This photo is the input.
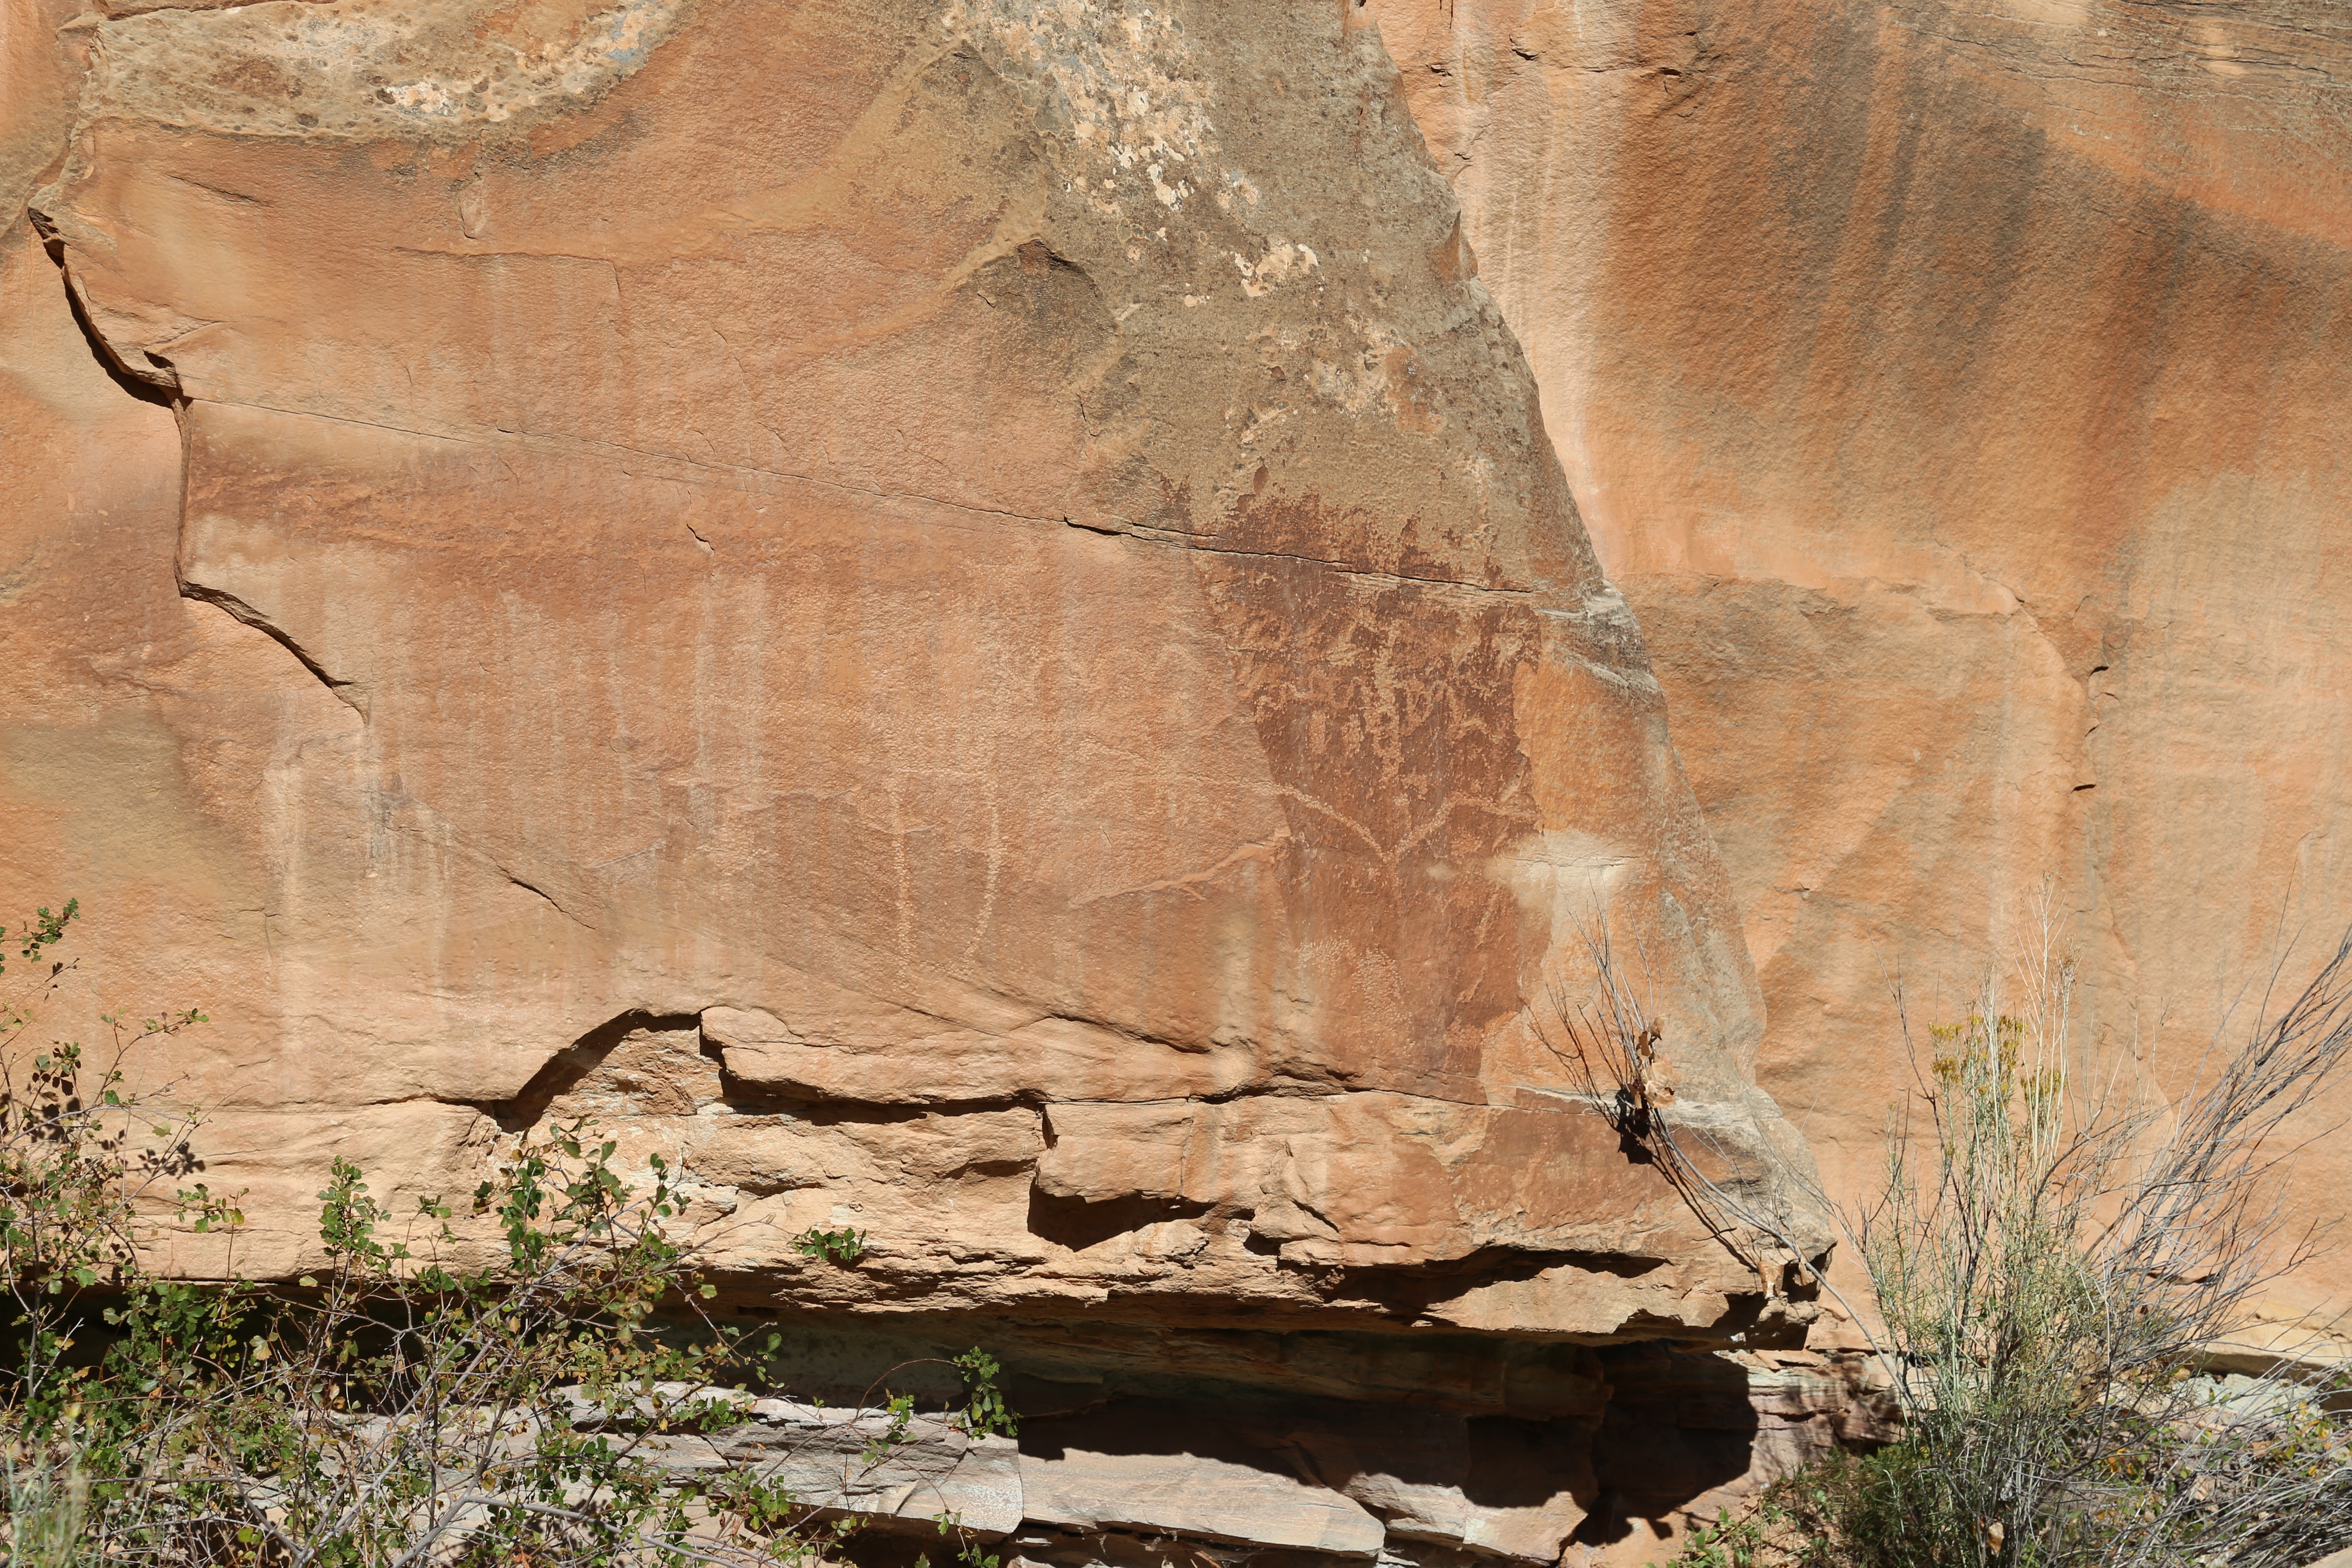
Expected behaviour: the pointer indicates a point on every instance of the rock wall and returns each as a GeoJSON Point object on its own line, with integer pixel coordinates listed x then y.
{"type": "Point", "coordinates": [1959, 393]}
{"type": "Point", "coordinates": [958, 613]}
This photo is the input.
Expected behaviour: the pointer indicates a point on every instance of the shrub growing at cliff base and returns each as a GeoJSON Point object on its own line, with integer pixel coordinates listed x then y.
{"type": "Point", "coordinates": [2053, 1262]}
{"type": "Point", "coordinates": [502, 1397]}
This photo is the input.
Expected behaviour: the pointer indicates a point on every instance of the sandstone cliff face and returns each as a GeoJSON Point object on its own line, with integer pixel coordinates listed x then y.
{"type": "Point", "coordinates": [1959, 395]}
{"type": "Point", "coordinates": [959, 613]}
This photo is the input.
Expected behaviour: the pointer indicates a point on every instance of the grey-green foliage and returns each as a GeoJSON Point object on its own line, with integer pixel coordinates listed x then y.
{"type": "Point", "coordinates": [46, 1511]}
{"type": "Point", "coordinates": [2054, 1259]}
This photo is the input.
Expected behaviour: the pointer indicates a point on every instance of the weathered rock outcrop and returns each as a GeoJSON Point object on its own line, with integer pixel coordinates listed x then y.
{"type": "Point", "coordinates": [1959, 395]}
{"type": "Point", "coordinates": [960, 612]}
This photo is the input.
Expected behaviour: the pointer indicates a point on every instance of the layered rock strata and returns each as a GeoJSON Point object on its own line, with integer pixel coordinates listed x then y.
{"type": "Point", "coordinates": [1958, 394]}
{"type": "Point", "coordinates": [1224, 1476]}
{"type": "Point", "coordinates": [1230, 1478]}
{"type": "Point", "coordinates": [958, 613]}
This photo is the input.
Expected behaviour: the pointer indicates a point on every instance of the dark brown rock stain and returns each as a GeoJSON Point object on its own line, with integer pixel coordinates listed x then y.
{"type": "Point", "coordinates": [1385, 709]}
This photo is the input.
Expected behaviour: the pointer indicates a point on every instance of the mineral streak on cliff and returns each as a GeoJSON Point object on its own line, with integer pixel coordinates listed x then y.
{"type": "Point", "coordinates": [960, 612]}
{"type": "Point", "coordinates": [1959, 393]}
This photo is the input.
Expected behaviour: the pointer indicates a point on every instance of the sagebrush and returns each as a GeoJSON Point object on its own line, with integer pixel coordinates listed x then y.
{"type": "Point", "coordinates": [2055, 1258]}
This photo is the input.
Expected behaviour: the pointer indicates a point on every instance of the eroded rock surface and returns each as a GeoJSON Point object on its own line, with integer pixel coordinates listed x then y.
{"type": "Point", "coordinates": [1958, 394]}
{"type": "Point", "coordinates": [960, 614]}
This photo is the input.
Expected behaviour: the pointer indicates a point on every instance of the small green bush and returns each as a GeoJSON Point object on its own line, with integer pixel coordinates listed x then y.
{"type": "Point", "coordinates": [490, 1395]}
{"type": "Point", "coordinates": [843, 1246]}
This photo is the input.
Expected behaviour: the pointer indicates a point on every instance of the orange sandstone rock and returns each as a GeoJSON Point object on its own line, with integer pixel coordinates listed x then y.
{"type": "Point", "coordinates": [1958, 394]}
{"type": "Point", "coordinates": [959, 613]}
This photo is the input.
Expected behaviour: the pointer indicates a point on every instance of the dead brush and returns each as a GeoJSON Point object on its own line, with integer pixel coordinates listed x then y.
{"type": "Point", "coordinates": [1611, 1047]}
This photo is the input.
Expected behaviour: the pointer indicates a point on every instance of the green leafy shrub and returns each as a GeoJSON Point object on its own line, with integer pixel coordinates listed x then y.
{"type": "Point", "coordinates": [496, 1385]}
{"type": "Point", "coordinates": [843, 1247]}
